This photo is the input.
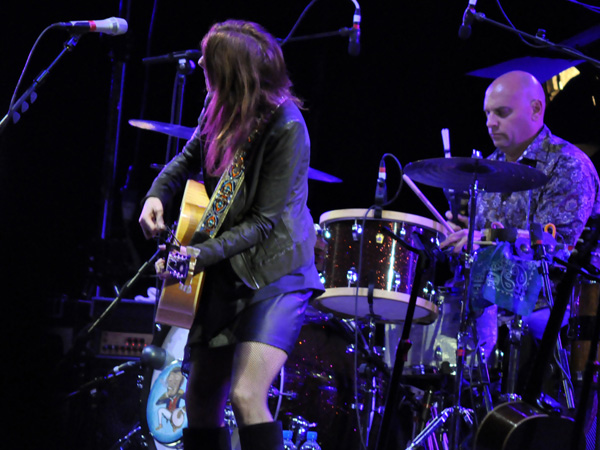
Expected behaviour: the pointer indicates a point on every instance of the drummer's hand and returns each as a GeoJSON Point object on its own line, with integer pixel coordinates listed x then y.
{"type": "Point", "coordinates": [460, 237]}
{"type": "Point", "coordinates": [462, 222]}
{"type": "Point", "coordinates": [151, 219]}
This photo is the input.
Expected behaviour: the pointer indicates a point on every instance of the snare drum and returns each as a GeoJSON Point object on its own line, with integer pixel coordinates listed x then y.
{"type": "Point", "coordinates": [390, 267]}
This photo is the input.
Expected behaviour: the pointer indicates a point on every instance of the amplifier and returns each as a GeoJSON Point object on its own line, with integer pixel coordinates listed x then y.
{"type": "Point", "coordinates": [118, 343]}
{"type": "Point", "coordinates": [125, 330]}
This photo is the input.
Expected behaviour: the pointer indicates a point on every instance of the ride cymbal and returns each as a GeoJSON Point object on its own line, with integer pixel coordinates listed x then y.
{"type": "Point", "coordinates": [459, 173]}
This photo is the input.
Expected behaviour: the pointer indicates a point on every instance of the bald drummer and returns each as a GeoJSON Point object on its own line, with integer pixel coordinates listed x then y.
{"type": "Point", "coordinates": [514, 106]}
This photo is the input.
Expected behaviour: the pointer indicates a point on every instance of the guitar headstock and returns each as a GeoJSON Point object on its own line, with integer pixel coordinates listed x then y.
{"type": "Point", "coordinates": [178, 265]}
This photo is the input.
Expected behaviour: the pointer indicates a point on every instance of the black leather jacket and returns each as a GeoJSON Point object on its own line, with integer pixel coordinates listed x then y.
{"type": "Point", "coordinates": [268, 231]}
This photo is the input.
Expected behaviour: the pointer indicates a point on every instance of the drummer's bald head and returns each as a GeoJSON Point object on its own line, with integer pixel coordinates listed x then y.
{"type": "Point", "coordinates": [521, 84]}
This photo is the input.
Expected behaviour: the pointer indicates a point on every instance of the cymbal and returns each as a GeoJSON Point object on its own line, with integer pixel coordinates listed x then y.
{"type": "Point", "coordinates": [183, 132]}
{"type": "Point", "coordinates": [459, 173]}
{"type": "Point", "coordinates": [170, 129]}
{"type": "Point", "coordinates": [317, 175]}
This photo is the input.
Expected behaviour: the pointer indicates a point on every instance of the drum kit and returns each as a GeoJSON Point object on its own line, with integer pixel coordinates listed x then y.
{"type": "Point", "coordinates": [354, 373]}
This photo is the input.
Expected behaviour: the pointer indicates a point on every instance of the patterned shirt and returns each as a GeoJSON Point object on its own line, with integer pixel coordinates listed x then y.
{"type": "Point", "coordinates": [570, 196]}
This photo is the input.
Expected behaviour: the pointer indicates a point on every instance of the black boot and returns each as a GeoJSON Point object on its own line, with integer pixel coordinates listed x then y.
{"type": "Point", "coordinates": [206, 439]}
{"type": "Point", "coordinates": [262, 436]}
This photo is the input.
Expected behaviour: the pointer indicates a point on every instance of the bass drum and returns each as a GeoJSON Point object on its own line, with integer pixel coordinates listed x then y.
{"type": "Point", "coordinates": [320, 388]}
{"type": "Point", "coordinates": [163, 398]}
{"type": "Point", "coordinates": [163, 394]}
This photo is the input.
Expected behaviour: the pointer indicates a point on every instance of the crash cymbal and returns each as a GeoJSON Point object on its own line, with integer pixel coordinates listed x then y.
{"type": "Point", "coordinates": [460, 172]}
{"type": "Point", "coordinates": [182, 132]}
{"type": "Point", "coordinates": [170, 129]}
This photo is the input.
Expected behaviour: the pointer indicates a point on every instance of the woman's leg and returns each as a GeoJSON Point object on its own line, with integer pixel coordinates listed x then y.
{"type": "Point", "coordinates": [254, 368]}
{"type": "Point", "coordinates": [206, 398]}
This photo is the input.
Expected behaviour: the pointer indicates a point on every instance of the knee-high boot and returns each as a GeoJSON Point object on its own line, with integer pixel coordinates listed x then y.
{"type": "Point", "coordinates": [262, 436]}
{"type": "Point", "coordinates": [206, 439]}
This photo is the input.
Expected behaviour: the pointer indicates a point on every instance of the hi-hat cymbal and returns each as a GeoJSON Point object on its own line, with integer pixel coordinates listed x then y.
{"type": "Point", "coordinates": [459, 174]}
{"type": "Point", "coordinates": [183, 132]}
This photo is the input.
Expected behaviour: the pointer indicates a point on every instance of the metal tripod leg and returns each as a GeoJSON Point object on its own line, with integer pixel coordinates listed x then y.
{"type": "Point", "coordinates": [432, 426]}
{"type": "Point", "coordinates": [468, 415]}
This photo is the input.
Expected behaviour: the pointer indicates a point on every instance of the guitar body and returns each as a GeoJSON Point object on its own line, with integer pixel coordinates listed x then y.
{"type": "Point", "coordinates": [178, 306]}
{"type": "Point", "coordinates": [518, 426]}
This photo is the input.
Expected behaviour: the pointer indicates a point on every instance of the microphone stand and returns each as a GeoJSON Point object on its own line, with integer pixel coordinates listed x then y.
{"type": "Point", "coordinates": [404, 345]}
{"type": "Point", "coordinates": [539, 38]}
{"type": "Point", "coordinates": [30, 95]}
{"type": "Point", "coordinates": [185, 66]}
{"type": "Point", "coordinates": [344, 32]}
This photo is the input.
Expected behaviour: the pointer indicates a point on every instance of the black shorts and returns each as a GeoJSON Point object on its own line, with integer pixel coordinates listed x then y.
{"type": "Point", "coordinates": [228, 315]}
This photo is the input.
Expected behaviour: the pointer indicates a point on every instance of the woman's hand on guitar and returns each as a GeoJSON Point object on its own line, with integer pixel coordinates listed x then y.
{"type": "Point", "coordinates": [151, 219]}
{"type": "Point", "coordinates": [160, 267]}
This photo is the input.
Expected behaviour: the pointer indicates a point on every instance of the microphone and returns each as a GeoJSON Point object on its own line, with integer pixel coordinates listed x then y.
{"type": "Point", "coordinates": [156, 357]}
{"type": "Point", "coordinates": [125, 366]}
{"type": "Point", "coordinates": [112, 26]}
{"type": "Point", "coordinates": [464, 32]}
{"type": "Point", "coordinates": [354, 38]}
{"type": "Point", "coordinates": [380, 190]}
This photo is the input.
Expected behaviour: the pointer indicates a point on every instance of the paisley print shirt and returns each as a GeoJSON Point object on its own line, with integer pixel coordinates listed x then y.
{"type": "Point", "coordinates": [570, 196]}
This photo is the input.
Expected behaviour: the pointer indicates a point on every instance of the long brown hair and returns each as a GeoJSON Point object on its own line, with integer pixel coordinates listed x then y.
{"type": "Point", "coordinates": [247, 76]}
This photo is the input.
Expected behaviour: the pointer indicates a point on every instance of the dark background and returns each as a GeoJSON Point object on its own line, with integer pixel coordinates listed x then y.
{"type": "Point", "coordinates": [64, 175]}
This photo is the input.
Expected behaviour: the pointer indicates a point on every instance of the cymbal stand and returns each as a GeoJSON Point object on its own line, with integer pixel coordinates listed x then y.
{"type": "Point", "coordinates": [464, 319]}
{"type": "Point", "coordinates": [456, 411]}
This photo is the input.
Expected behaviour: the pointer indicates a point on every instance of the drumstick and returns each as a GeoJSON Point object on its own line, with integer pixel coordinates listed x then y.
{"type": "Point", "coordinates": [427, 203]}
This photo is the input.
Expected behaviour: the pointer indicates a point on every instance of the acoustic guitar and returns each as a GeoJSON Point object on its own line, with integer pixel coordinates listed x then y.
{"type": "Point", "coordinates": [528, 424]}
{"type": "Point", "coordinates": [180, 295]}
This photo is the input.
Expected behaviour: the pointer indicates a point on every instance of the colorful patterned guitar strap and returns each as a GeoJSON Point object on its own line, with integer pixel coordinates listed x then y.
{"type": "Point", "coordinates": [229, 185]}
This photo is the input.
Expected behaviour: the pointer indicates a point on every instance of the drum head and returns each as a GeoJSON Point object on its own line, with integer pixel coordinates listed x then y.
{"type": "Point", "coordinates": [395, 216]}
{"type": "Point", "coordinates": [387, 306]}
{"type": "Point", "coordinates": [161, 382]}
{"type": "Point", "coordinates": [165, 411]}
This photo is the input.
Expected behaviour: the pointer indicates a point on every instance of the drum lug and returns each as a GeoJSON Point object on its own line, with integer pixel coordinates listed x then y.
{"type": "Point", "coordinates": [352, 276]}
{"type": "Point", "coordinates": [356, 230]}
{"type": "Point", "coordinates": [429, 291]}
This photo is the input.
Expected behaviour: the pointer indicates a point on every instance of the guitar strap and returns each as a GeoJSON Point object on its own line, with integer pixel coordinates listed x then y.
{"type": "Point", "coordinates": [229, 184]}
{"type": "Point", "coordinates": [220, 202]}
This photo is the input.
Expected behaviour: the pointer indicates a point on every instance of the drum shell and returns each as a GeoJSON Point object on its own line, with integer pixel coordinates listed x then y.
{"type": "Point", "coordinates": [386, 265]}
{"type": "Point", "coordinates": [433, 346]}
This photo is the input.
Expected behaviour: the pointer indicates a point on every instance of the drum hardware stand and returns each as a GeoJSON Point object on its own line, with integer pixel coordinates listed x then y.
{"type": "Point", "coordinates": [514, 339]}
{"type": "Point", "coordinates": [542, 257]}
{"type": "Point", "coordinates": [370, 368]}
